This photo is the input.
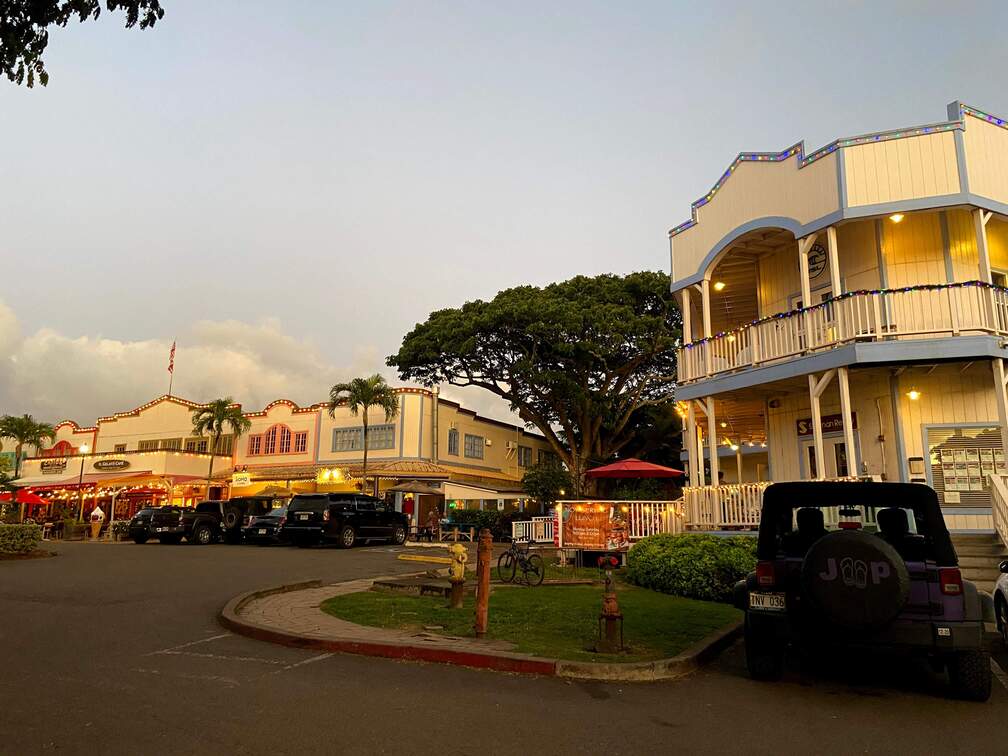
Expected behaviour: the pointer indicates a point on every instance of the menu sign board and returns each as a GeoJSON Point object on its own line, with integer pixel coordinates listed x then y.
{"type": "Point", "coordinates": [593, 527]}
{"type": "Point", "coordinates": [967, 469]}
{"type": "Point", "coordinates": [53, 466]}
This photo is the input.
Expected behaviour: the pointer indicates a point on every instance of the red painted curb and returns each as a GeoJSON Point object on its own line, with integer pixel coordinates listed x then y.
{"type": "Point", "coordinates": [229, 618]}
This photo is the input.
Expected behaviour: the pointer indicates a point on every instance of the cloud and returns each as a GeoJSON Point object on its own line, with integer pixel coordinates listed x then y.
{"type": "Point", "coordinates": [54, 376]}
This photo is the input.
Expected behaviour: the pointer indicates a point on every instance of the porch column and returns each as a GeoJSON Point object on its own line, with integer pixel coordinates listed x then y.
{"type": "Point", "coordinates": [980, 218]}
{"type": "Point", "coordinates": [691, 444]}
{"type": "Point", "coordinates": [738, 463]}
{"type": "Point", "coordinates": [834, 260]}
{"type": "Point", "coordinates": [816, 388]}
{"type": "Point", "coordinates": [712, 440]}
{"type": "Point", "coordinates": [804, 245]}
{"type": "Point", "coordinates": [853, 466]}
{"type": "Point", "coordinates": [687, 316]}
{"type": "Point", "coordinates": [705, 301]}
{"type": "Point", "coordinates": [1001, 396]}
{"type": "Point", "coordinates": [701, 475]}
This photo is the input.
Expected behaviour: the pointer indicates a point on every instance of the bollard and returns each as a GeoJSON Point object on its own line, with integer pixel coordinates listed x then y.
{"type": "Point", "coordinates": [483, 554]}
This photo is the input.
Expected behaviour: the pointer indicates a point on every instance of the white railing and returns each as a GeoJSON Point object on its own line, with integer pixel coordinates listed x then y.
{"type": "Point", "coordinates": [536, 530]}
{"type": "Point", "coordinates": [999, 505]}
{"type": "Point", "coordinates": [732, 506]}
{"type": "Point", "coordinates": [971, 307]}
{"type": "Point", "coordinates": [646, 518]}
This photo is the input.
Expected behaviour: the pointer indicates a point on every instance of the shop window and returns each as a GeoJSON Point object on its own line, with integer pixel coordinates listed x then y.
{"type": "Point", "coordinates": [285, 439]}
{"type": "Point", "coordinates": [453, 439]}
{"type": "Point", "coordinates": [255, 445]}
{"type": "Point", "coordinates": [196, 445]}
{"type": "Point", "coordinates": [224, 444]}
{"type": "Point", "coordinates": [524, 456]}
{"type": "Point", "coordinates": [381, 437]}
{"type": "Point", "coordinates": [270, 441]}
{"type": "Point", "coordinates": [347, 439]}
{"type": "Point", "coordinates": [474, 446]}
{"type": "Point", "coordinates": [300, 442]}
{"type": "Point", "coordinates": [149, 445]}
{"type": "Point", "coordinates": [171, 444]}
{"type": "Point", "coordinates": [119, 448]}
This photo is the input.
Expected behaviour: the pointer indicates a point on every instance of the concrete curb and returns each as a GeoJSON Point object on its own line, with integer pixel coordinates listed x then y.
{"type": "Point", "coordinates": [661, 669]}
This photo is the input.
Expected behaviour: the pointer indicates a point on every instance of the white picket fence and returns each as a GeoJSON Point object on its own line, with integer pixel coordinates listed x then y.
{"type": "Point", "coordinates": [538, 530]}
{"type": "Point", "coordinates": [643, 518]}
{"type": "Point", "coordinates": [729, 506]}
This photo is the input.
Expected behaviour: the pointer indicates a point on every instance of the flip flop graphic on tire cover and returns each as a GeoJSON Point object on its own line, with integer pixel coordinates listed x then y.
{"type": "Point", "coordinates": [855, 579]}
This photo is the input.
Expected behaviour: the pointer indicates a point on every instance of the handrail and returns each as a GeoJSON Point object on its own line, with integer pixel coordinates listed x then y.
{"type": "Point", "coordinates": [999, 505]}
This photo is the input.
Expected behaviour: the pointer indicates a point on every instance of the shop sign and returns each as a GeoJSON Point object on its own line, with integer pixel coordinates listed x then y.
{"type": "Point", "coordinates": [593, 527]}
{"type": "Point", "coordinates": [111, 464]}
{"type": "Point", "coordinates": [53, 466]}
{"type": "Point", "coordinates": [817, 259]}
{"type": "Point", "coordinates": [240, 479]}
{"type": "Point", "coordinates": [828, 423]}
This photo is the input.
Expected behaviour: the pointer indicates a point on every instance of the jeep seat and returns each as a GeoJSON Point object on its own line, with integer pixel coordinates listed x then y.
{"type": "Point", "coordinates": [810, 529]}
{"type": "Point", "coordinates": [894, 528]}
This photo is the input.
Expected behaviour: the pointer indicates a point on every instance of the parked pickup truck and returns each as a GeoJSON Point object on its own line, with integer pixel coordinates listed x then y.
{"type": "Point", "coordinates": [163, 523]}
{"type": "Point", "coordinates": [211, 521]}
{"type": "Point", "coordinates": [343, 518]}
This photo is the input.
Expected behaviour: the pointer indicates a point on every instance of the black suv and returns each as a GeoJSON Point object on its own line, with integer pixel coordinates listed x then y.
{"type": "Point", "coordinates": [211, 521]}
{"type": "Point", "coordinates": [863, 565]}
{"type": "Point", "coordinates": [344, 518]}
{"type": "Point", "coordinates": [139, 528]}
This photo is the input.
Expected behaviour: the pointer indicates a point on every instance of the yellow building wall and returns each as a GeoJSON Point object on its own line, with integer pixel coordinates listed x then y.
{"type": "Point", "coordinates": [758, 190]}
{"type": "Point", "coordinates": [962, 245]}
{"type": "Point", "coordinates": [997, 242]}
{"type": "Point", "coordinates": [901, 169]}
{"type": "Point", "coordinates": [344, 419]}
{"type": "Point", "coordinates": [69, 432]}
{"type": "Point", "coordinates": [986, 147]}
{"type": "Point", "coordinates": [167, 418]}
{"type": "Point", "coordinates": [913, 250]}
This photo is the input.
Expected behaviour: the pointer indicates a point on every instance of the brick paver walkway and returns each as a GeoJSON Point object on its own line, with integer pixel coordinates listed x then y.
{"type": "Point", "coordinates": [299, 612]}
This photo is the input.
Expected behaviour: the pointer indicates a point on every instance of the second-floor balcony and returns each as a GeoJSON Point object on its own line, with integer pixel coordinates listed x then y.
{"type": "Point", "coordinates": [917, 312]}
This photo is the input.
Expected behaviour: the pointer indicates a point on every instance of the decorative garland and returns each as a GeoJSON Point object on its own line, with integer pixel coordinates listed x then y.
{"type": "Point", "coordinates": [846, 295]}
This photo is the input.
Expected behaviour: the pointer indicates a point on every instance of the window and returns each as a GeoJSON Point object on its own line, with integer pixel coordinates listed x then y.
{"type": "Point", "coordinates": [285, 438]}
{"type": "Point", "coordinates": [381, 437]}
{"type": "Point", "coordinates": [119, 448]}
{"type": "Point", "coordinates": [255, 445]}
{"type": "Point", "coordinates": [524, 456]}
{"type": "Point", "coordinates": [347, 439]}
{"type": "Point", "coordinates": [453, 441]}
{"type": "Point", "coordinates": [269, 441]}
{"type": "Point", "coordinates": [148, 444]}
{"type": "Point", "coordinates": [171, 444]}
{"type": "Point", "coordinates": [196, 445]}
{"type": "Point", "coordinates": [224, 444]}
{"type": "Point", "coordinates": [300, 442]}
{"type": "Point", "coordinates": [474, 446]}
{"type": "Point", "coordinates": [62, 449]}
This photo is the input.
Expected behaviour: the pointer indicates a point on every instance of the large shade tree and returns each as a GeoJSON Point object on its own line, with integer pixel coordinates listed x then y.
{"type": "Point", "coordinates": [25, 24]}
{"type": "Point", "coordinates": [214, 420]}
{"type": "Point", "coordinates": [24, 430]}
{"type": "Point", "coordinates": [359, 395]}
{"type": "Point", "coordinates": [578, 359]}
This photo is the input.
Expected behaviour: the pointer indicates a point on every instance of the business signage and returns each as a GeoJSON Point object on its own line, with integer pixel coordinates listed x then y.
{"type": "Point", "coordinates": [111, 464]}
{"type": "Point", "coordinates": [593, 527]}
{"type": "Point", "coordinates": [817, 259]}
{"type": "Point", "coordinates": [828, 424]}
{"type": "Point", "coordinates": [240, 479]}
{"type": "Point", "coordinates": [53, 466]}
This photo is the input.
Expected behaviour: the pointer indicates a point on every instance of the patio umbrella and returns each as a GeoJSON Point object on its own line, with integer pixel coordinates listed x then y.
{"type": "Point", "coordinates": [634, 468]}
{"type": "Point", "coordinates": [279, 491]}
{"type": "Point", "coordinates": [416, 487]}
{"type": "Point", "coordinates": [23, 497]}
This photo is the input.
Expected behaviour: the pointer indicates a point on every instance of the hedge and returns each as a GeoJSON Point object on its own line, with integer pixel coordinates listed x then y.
{"type": "Point", "coordinates": [19, 539]}
{"type": "Point", "coordinates": [693, 565]}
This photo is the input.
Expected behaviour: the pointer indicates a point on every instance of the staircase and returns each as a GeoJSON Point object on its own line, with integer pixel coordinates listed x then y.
{"type": "Point", "coordinates": [979, 557]}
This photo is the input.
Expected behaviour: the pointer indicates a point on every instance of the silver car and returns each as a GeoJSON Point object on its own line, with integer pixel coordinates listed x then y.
{"type": "Point", "coordinates": [1001, 602]}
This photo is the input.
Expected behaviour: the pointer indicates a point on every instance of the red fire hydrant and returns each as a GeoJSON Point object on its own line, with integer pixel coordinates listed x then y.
{"type": "Point", "coordinates": [610, 639]}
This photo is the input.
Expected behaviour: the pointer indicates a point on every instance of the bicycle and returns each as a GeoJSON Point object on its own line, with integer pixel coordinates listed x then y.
{"type": "Point", "coordinates": [532, 567]}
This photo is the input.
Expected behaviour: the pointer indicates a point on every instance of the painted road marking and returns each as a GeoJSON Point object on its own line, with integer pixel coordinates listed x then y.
{"type": "Point", "coordinates": [312, 660]}
{"type": "Point", "coordinates": [999, 673]}
{"type": "Point", "coordinates": [192, 643]}
{"type": "Point", "coordinates": [221, 657]}
{"type": "Point", "coordinates": [230, 682]}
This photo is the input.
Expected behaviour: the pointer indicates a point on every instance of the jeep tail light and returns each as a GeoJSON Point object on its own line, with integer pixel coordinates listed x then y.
{"type": "Point", "coordinates": [325, 514]}
{"type": "Point", "coordinates": [283, 521]}
{"type": "Point", "coordinates": [765, 577]}
{"type": "Point", "coordinates": [950, 580]}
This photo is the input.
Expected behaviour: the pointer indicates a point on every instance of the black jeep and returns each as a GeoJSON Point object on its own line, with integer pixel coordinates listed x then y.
{"type": "Point", "coordinates": [862, 565]}
{"type": "Point", "coordinates": [164, 524]}
{"type": "Point", "coordinates": [344, 518]}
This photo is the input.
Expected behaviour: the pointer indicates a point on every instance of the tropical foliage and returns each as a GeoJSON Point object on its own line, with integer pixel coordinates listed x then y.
{"type": "Point", "coordinates": [546, 482]}
{"type": "Point", "coordinates": [579, 360]}
{"type": "Point", "coordinates": [216, 418]}
{"type": "Point", "coordinates": [24, 430]}
{"type": "Point", "coordinates": [694, 565]}
{"type": "Point", "coordinates": [360, 395]}
{"type": "Point", "coordinates": [19, 539]}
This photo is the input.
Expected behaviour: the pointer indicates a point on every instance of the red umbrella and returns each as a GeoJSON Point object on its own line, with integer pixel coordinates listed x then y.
{"type": "Point", "coordinates": [634, 468]}
{"type": "Point", "coordinates": [23, 497]}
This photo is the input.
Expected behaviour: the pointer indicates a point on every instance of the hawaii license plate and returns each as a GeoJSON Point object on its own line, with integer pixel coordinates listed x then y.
{"type": "Point", "coordinates": [767, 602]}
{"type": "Point", "coordinates": [159, 530]}
{"type": "Point", "coordinates": [262, 531]}
{"type": "Point", "coordinates": [304, 516]}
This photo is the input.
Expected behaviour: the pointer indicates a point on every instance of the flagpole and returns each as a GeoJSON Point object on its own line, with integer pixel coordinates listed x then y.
{"type": "Point", "coordinates": [171, 366]}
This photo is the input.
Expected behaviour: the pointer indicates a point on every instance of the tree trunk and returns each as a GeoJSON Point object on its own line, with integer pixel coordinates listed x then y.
{"type": "Point", "coordinates": [364, 468]}
{"type": "Point", "coordinates": [210, 471]}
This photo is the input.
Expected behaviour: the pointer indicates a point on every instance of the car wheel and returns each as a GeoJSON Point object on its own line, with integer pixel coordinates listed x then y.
{"type": "Point", "coordinates": [203, 535]}
{"type": "Point", "coordinates": [970, 675]}
{"type": "Point", "coordinates": [347, 537]}
{"type": "Point", "coordinates": [399, 535]}
{"type": "Point", "coordinates": [764, 657]}
{"type": "Point", "coordinates": [140, 540]}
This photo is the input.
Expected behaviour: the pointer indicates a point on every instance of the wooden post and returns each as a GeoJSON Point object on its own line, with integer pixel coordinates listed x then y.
{"type": "Point", "coordinates": [834, 260]}
{"type": "Point", "coordinates": [738, 462]}
{"type": "Point", "coordinates": [712, 441]}
{"type": "Point", "coordinates": [1001, 397]}
{"type": "Point", "coordinates": [687, 316]}
{"type": "Point", "coordinates": [483, 553]}
{"type": "Point", "coordinates": [853, 467]}
{"type": "Point", "coordinates": [816, 388]}
{"type": "Point", "coordinates": [980, 218]}
{"type": "Point", "coordinates": [804, 245]}
{"type": "Point", "coordinates": [691, 444]}
{"type": "Point", "coordinates": [705, 298]}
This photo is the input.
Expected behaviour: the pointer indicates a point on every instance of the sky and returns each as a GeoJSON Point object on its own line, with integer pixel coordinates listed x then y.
{"type": "Point", "coordinates": [287, 188]}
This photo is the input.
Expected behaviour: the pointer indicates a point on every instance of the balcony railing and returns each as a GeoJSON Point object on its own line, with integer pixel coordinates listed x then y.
{"type": "Point", "coordinates": [929, 311]}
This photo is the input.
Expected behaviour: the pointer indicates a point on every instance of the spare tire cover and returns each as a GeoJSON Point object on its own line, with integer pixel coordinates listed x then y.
{"type": "Point", "coordinates": [855, 579]}
{"type": "Point", "coordinates": [232, 518]}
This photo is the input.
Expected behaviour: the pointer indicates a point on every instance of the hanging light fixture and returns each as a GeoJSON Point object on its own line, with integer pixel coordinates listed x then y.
{"type": "Point", "coordinates": [913, 394]}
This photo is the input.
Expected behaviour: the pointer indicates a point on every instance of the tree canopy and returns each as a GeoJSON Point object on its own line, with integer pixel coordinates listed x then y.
{"type": "Point", "coordinates": [24, 29]}
{"type": "Point", "coordinates": [25, 431]}
{"type": "Point", "coordinates": [213, 420]}
{"type": "Point", "coordinates": [577, 359]}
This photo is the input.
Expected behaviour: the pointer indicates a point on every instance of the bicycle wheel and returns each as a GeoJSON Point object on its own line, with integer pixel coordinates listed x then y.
{"type": "Point", "coordinates": [506, 567]}
{"type": "Point", "coordinates": [534, 570]}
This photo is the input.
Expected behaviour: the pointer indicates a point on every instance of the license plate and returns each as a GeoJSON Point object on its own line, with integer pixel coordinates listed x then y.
{"type": "Point", "coordinates": [767, 602]}
{"type": "Point", "coordinates": [159, 530]}
{"type": "Point", "coordinates": [304, 516]}
{"type": "Point", "coordinates": [262, 531]}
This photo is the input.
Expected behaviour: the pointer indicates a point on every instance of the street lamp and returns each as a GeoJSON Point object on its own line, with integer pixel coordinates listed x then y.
{"type": "Point", "coordinates": [80, 483]}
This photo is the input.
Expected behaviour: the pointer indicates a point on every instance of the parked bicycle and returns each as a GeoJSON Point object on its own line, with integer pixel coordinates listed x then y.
{"type": "Point", "coordinates": [532, 567]}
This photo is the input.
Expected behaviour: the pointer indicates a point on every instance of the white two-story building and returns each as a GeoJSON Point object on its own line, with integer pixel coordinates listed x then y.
{"type": "Point", "coordinates": [845, 314]}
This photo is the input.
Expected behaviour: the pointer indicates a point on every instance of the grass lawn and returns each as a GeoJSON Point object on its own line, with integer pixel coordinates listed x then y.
{"type": "Point", "coordinates": [551, 621]}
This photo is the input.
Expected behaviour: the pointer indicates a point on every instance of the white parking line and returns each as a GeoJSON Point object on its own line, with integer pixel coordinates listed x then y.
{"type": "Point", "coordinates": [192, 643]}
{"type": "Point", "coordinates": [312, 660]}
{"type": "Point", "coordinates": [221, 657]}
{"type": "Point", "coordinates": [999, 673]}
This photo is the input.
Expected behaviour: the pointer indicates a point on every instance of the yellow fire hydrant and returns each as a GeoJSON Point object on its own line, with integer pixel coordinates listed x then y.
{"type": "Point", "coordinates": [456, 573]}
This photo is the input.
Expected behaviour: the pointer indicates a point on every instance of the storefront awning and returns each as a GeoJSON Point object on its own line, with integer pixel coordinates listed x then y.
{"type": "Point", "coordinates": [461, 491]}
{"type": "Point", "coordinates": [46, 482]}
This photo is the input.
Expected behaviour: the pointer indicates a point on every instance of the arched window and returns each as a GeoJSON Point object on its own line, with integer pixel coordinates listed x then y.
{"type": "Point", "coordinates": [61, 449]}
{"type": "Point", "coordinates": [276, 440]}
{"type": "Point", "coordinates": [453, 439]}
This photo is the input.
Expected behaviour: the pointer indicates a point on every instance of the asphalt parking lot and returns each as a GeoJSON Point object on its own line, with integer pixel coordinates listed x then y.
{"type": "Point", "coordinates": [110, 649]}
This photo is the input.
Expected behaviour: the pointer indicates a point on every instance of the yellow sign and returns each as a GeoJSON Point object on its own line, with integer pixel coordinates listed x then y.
{"type": "Point", "coordinates": [330, 475]}
{"type": "Point", "coordinates": [240, 479]}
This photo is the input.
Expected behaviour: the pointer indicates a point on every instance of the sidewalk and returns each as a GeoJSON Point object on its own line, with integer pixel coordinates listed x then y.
{"type": "Point", "coordinates": [290, 615]}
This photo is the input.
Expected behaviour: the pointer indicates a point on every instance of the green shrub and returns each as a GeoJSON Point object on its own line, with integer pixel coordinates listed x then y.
{"type": "Point", "coordinates": [693, 565]}
{"type": "Point", "coordinates": [119, 528]}
{"type": "Point", "coordinates": [489, 518]}
{"type": "Point", "coordinates": [19, 539]}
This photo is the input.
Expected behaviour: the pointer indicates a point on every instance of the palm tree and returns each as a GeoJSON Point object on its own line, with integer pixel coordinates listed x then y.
{"type": "Point", "coordinates": [26, 432]}
{"type": "Point", "coordinates": [212, 419]}
{"type": "Point", "coordinates": [362, 394]}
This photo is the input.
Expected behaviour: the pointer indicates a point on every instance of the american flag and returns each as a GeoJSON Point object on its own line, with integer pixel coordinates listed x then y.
{"type": "Point", "coordinates": [171, 359]}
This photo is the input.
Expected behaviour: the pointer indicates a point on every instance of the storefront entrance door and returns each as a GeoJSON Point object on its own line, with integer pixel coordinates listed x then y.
{"type": "Point", "coordinates": [837, 464]}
